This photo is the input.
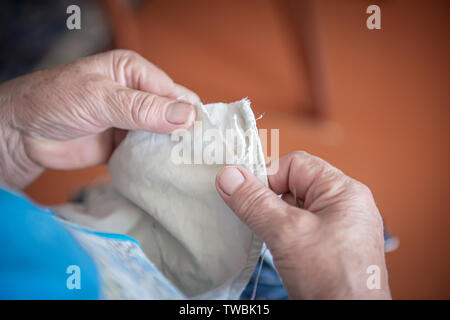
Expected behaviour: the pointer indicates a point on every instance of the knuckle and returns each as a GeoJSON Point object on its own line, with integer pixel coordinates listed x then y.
{"type": "Point", "coordinates": [143, 108]}
{"type": "Point", "coordinates": [302, 158]}
{"type": "Point", "coordinates": [330, 186]}
{"type": "Point", "coordinates": [138, 108]}
{"type": "Point", "coordinates": [122, 62]}
{"type": "Point", "coordinates": [364, 190]}
{"type": "Point", "coordinates": [249, 199]}
{"type": "Point", "coordinates": [361, 189]}
{"type": "Point", "coordinates": [124, 53]}
{"type": "Point", "coordinates": [309, 158]}
{"type": "Point", "coordinates": [120, 99]}
{"type": "Point", "coordinates": [359, 200]}
{"type": "Point", "coordinates": [300, 154]}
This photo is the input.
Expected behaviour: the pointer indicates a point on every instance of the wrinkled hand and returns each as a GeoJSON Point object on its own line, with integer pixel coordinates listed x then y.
{"type": "Point", "coordinates": [73, 116]}
{"type": "Point", "coordinates": [323, 233]}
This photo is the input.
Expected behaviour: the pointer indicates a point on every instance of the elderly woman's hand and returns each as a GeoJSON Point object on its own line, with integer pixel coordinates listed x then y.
{"type": "Point", "coordinates": [324, 233]}
{"type": "Point", "coordinates": [74, 115]}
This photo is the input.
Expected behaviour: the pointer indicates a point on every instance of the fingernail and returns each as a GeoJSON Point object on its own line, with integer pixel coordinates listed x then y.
{"type": "Point", "coordinates": [230, 179]}
{"type": "Point", "coordinates": [179, 112]}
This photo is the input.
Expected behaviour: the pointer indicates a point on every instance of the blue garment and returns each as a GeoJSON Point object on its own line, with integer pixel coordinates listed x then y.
{"type": "Point", "coordinates": [40, 254]}
{"type": "Point", "coordinates": [36, 252]}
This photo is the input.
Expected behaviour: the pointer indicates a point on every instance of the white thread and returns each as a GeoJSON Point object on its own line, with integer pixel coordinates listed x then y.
{"type": "Point", "coordinates": [258, 274]}
{"type": "Point", "coordinates": [260, 116]}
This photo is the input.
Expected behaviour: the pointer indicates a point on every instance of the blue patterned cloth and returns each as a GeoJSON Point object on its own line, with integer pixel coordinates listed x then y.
{"type": "Point", "coordinates": [35, 253]}
{"type": "Point", "coordinates": [37, 249]}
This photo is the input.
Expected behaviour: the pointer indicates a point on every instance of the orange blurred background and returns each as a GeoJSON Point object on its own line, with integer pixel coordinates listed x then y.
{"type": "Point", "coordinates": [374, 103]}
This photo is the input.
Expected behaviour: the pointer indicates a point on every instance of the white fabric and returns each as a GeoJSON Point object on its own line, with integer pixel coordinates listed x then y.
{"type": "Point", "coordinates": [173, 209]}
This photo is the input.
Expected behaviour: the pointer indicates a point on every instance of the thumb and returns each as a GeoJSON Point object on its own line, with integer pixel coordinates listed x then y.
{"type": "Point", "coordinates": [138, 110]}
{"type": "Point", "coordinates": [255, 204]}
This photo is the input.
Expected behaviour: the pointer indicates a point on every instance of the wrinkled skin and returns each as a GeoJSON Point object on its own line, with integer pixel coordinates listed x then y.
{"type": "Point", "coordinates": [323, 233]}
{"type": "Point", "coordinates": [73, 116]}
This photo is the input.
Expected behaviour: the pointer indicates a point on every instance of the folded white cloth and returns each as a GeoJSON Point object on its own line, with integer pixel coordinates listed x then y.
{"type": "Point", "coordinates": [165, 197]}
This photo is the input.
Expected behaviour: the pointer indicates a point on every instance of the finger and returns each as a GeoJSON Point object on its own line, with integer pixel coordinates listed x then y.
{"type": "Point", "coordinates": [255, 204]}
{"type": "Point", "coordinates": [306, 177]}
{"type": "Point", "coordinates": [77, 153]}
{"type": "Point", "coordinates": [138, 110]}
{"type": "Point", "coordinates": [133, 71]}
{"type": "Point", "coordinates": [181, 92]}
